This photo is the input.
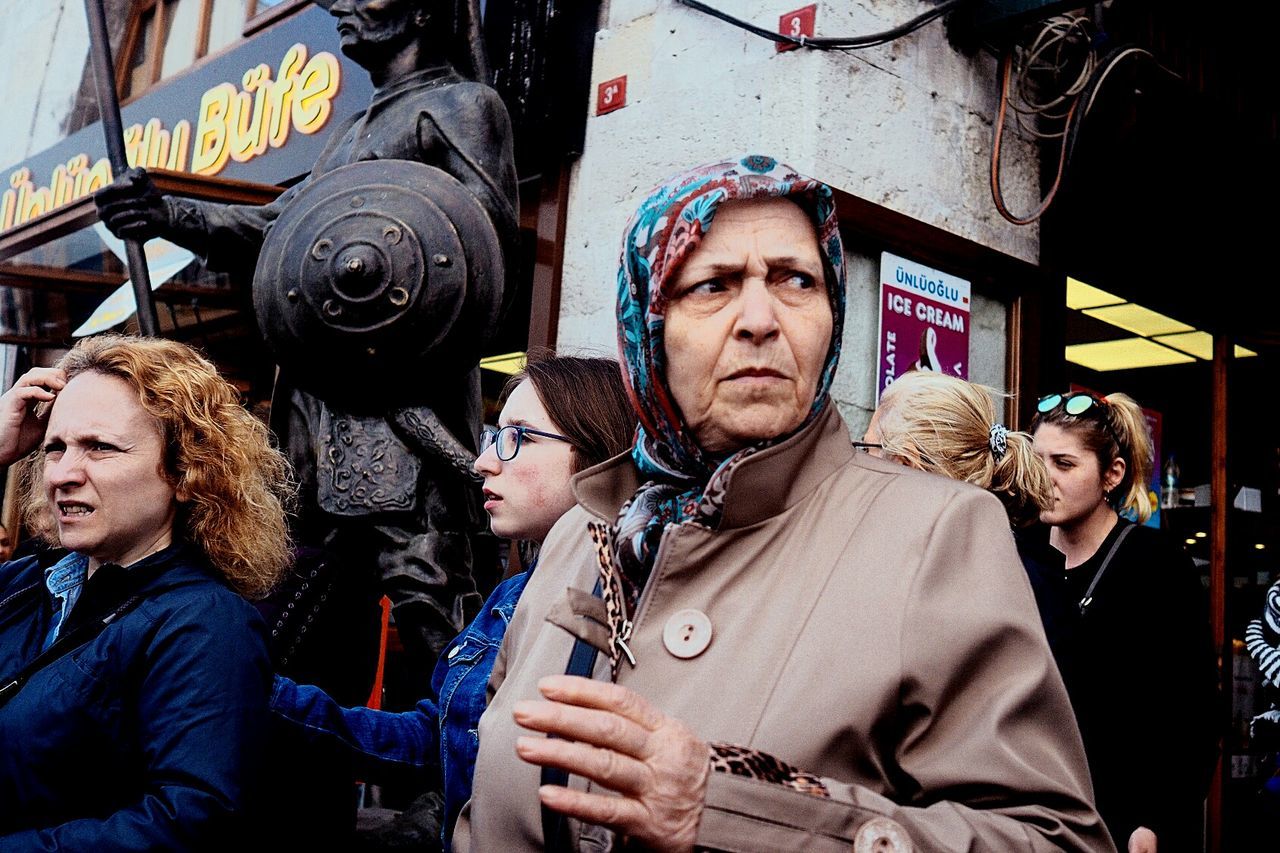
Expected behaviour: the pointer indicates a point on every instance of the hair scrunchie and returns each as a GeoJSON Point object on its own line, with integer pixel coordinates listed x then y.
{"type": "Point", "coordinates": [998, 438]}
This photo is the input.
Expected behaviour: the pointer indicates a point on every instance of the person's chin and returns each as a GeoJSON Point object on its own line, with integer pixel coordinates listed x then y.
{"type": "Point", "coordinates": [1056, 518]}
{"type": "Point", "coordinates": [72, 542]}
{"type": "Point", "coordinates": [760, 420]}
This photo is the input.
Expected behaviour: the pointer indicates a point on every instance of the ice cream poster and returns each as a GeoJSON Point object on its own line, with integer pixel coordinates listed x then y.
{"type": "Point", "coordinates": [924, 321]}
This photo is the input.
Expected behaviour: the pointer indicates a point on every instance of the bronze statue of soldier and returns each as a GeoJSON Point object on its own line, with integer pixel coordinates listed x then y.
{"type": "Point", "coordinates": [377, 280]}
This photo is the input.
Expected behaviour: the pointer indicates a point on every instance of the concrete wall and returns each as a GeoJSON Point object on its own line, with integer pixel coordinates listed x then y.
{"type": "Point", "coordinates": [906, 125]}
{"type": "Point", "coordinates": [47, 43]}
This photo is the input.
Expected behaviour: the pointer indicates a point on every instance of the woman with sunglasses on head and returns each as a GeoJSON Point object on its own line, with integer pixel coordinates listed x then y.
{"type": "Point", "coordinates": [1134, 644]}
{"type": "Point", "coordinates": [560, 415]}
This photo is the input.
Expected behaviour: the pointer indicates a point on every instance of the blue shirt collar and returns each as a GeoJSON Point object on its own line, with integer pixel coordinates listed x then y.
{"type": "Point", "coordinates": [66, 574]}
{"type": "Point", "coordinates": [65, 580]}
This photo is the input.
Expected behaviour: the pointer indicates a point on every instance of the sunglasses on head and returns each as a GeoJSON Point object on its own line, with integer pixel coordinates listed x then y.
{"type": "Point", "coordinates": [1073, 403]}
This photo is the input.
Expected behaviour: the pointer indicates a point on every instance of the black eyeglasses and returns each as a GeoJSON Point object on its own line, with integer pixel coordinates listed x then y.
{"type": "Point", "coordinates": [506, 441]}
{"type": "Point", "coordinates": [866, 446]}
{"type": "Point", "coordinates": [1073, 403]}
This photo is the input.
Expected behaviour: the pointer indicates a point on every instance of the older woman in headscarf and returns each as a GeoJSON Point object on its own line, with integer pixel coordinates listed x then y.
{"type": "Point", "coordinates": [794, 646]}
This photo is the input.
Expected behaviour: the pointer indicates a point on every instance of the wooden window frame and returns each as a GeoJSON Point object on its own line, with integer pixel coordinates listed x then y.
{"type": "Point", "coordinates": [155, 61]}
{"type": "Point", "coordinates": [258, 19]}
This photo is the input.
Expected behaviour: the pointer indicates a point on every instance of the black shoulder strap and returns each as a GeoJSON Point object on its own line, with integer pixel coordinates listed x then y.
{"type": "Point", "coordinates": [1106, 561]}
{"type": "Point", "coordinates": [64, 644]}
{"type": "Point", "coordinates": [555, 830]}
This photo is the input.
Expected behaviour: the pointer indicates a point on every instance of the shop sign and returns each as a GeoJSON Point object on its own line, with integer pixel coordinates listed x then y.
{"type": "Point", "coordinates": [260, 112]}
{"type": "Point", "coordinates": [924, 321]}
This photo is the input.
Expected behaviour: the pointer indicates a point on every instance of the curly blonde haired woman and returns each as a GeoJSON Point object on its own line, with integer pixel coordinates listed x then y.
{"type": "Point", "coordinates": [137, 673]}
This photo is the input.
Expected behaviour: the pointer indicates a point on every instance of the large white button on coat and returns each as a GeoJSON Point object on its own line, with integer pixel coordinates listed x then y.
{"type": "Point", "coordinates": [687, 634]}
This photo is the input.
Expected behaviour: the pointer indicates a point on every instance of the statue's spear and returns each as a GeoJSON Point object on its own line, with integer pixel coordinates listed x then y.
{"type": "Point", "coordinates": [113, 129]}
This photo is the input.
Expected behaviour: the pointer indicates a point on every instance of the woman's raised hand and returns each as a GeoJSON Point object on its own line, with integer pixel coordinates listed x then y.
{"type": "Point", "coordinates": [20, 428]}
{"type": "Point", "coordinates": [615, 738]}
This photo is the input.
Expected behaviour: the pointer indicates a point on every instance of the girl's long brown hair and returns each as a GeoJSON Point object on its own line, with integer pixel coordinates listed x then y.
{"type": "Point", "coordinates": [586, 399]}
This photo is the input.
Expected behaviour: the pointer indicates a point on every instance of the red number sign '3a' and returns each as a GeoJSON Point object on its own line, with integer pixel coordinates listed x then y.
{"type": "Point", "coordinates": [611, 95]}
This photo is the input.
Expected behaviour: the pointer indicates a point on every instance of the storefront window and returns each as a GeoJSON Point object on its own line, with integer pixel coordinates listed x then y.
{"type": "Point", "coordinates": [181, 30]}
{"type": "Point", "coordinates": [226, 21]}
{"type": "Point", "coordinates": [140, 65]}
{"type": "Point", "coordinates": [263, 12]}
{"type": "Point", "coordinates": [167, 36]}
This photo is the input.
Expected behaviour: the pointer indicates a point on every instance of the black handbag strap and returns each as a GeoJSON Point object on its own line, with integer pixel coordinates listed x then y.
{"type": "Point", "coordinates": [72, 640]}
{"type": "Point", "coordinates": [1087, 601]}
{"type": "Point", "coordinates": [555, 829]}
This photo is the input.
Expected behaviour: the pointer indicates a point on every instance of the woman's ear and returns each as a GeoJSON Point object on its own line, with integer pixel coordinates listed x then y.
{"type": "Point", "coordinates": [1113, 475]}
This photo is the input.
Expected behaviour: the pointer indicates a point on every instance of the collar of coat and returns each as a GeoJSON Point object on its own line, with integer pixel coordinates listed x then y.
{"type": "Point", "coordinates": [763, 485]}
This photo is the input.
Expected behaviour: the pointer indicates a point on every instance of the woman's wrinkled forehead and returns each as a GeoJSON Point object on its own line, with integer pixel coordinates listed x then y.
{"type": "Point", "coordinates": [675, 218]}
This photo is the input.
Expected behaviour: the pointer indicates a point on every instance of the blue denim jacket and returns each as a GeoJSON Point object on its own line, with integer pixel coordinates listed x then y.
{"type": "Point", "coordinates": [440, 731]}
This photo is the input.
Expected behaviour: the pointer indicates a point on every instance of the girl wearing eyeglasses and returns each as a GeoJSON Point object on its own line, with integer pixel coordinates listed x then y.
{"type": "Point", "coordinates": [1134, 644]}
{"type": "Point", "coordinates": [560, 415]}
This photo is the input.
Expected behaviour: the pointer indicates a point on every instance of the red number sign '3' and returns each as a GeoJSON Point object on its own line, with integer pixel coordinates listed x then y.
{"type": "Point", "coordinates": [796, 24]}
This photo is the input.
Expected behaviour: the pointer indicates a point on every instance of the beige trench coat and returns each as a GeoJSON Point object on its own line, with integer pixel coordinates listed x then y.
{"type": "Point", "coordinates": [870, 624]}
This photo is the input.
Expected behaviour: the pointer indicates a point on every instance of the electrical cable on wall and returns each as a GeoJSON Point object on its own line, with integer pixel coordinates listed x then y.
{"type": "Point", "coordinates": [831, 43]}
{"type": "Point", "coordinates": [1042, 84]}
{"type": "Point", "coordinates": [1062, 55]}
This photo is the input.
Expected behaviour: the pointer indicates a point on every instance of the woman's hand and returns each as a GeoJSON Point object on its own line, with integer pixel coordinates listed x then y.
{"type": "Point", "coordinates": [1142, 840]}
{"type": "Point", "coordinates": [615, 738]}
{"type": "Point", "coordinates": [20, 429]}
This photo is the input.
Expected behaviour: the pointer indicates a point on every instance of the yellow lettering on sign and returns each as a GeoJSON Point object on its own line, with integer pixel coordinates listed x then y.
{"type": "Point", "coordinates": [281, 103]}
{"type": "Point", "coordinates": [246, 124]}
{"type": "Point", "coordinates": [317, 86]}
{"type": "Point", "coordinates": [177, 161]}
{"type": "Point", "coordinates": [98, 176]}
{"type": "Point", "coordinates": [233, 123]}
{"type": "Point", "coordinates": [211, 151]}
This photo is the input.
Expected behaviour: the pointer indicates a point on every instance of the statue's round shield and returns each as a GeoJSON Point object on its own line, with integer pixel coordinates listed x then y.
{"type": "Point", "coordinates": [373, 272]}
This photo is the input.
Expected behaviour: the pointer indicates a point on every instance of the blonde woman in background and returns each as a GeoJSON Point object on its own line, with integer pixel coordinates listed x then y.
{"type": "Point", "coordinates": [948, 426]}
{"type": "Point", "coordinates": [1134, 646]}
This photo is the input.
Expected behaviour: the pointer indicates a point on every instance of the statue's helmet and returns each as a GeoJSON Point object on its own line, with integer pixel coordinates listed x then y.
{"type": "Point", "coordinates": [377, 277]}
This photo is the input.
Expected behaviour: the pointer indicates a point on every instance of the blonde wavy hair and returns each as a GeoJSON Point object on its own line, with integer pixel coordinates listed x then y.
{"type": "Point", "coordinates": [1116, 430]}
{"type": "Point", "coordinates": [221, 458]}
{"type": "Point", "coordinates": [942, 424]}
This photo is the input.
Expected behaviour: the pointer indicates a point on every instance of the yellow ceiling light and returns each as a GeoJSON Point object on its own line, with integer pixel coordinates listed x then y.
{"type": "Point", "coordinates": [509, 363]}
{"type": "Point", "coordinates": [1199, 344]}
{"type": "Point", "coordinates": [1081, 296]}
{"type": "Point", "coordinates": [1124, 354]}
{"type": "Point", "coordinates": [1139, 320]}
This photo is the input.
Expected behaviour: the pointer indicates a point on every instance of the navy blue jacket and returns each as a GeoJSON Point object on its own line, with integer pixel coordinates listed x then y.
{"type": "Point", "coordinates": [440, 732]}
{"type": "Point", "coordinates": [143, 739]}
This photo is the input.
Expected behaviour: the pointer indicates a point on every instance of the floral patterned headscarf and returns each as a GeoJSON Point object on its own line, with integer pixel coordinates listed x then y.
{"type": "Point", "coordinates": [683, 482]}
